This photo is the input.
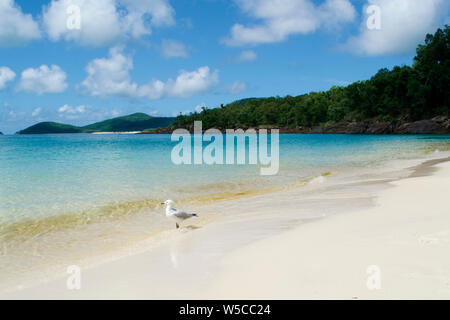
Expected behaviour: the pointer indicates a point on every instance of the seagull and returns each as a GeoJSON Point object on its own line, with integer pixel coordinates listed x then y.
{"type": "Point", "coordinates": [176, 214]}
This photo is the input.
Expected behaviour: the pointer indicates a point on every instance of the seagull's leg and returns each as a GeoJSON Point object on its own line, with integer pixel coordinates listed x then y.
{"type": "Point", "coordinates": [177, 225]}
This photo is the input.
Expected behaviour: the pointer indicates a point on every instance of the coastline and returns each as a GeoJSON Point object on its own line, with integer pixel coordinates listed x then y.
{"type": "Point", "coordinates": [436, 125]}
{"type": "Point", "coordinates": [406, 235]}
{"type": "Point", "coordinates": [234, 257]}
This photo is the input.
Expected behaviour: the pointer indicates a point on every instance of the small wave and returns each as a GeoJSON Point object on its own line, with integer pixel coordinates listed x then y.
{"type": "Point", "coordinates": [26, 229]}
{"type": "Point", "coordinates": [321, 178]}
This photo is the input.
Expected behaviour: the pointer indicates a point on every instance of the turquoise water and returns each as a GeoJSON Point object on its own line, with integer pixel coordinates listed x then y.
{"type": "Point", "coordinates": [68, 199]}
{"type": "Point", "coordinates": [47, 175]}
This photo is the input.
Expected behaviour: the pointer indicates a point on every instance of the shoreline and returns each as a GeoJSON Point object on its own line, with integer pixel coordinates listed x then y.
{"type": "Point", "coordinates": [204, 260]}
{"type": "Point", "coordinates": [405, 236]}
{"type": "Point", "coordinates": [437, 125]}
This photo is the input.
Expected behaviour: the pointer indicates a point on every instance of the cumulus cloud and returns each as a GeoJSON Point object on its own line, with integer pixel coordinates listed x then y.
{"type": "Point", "coordinates": [186, 84]}
{"type": "Point", "coordinates": [160, 13]}
{"type": "Point", "coordinates": [111, 76]}
{"type": "Point", "coordinates": [43, 80]}
{"type": "Point", "coordinates": [6, 75]}
{"type": "Point", "coordinates": [72, 112]}
{"type": "Point", "coordinates": [280, 19]}
{"type": "Point", "coordinates": [36, 112]}
{"type": "Point", "coordinates": [237, 87]}
{"type": "Point", "coordinates": [247, 56]}
{"type": "Point", "coordinates": [189, 83]}
{"type": "Point", "coordinates": [173, 49]}
{"type": "Point", "coordinates": [67, 109]}
{"type": "Point", "coordinates": [105, 21]}
{"type": "Point", "coordinates": [16, 27]}
{"type": "Point", "coordinates": [404, 24]}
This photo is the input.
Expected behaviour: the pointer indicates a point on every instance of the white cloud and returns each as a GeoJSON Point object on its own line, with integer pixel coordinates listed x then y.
{"type": "Point", "coordinates": [280, 19]}
{"type": "Point", "coordinates": [173, 49]}
{"type": "Point", "coordinates": [115, 113]}
{"type": "Point", "coordinates": [6, 75]}
{"type": "Point", "coordinates": [153, 90]}
{"type": "Point", "coordinates": [404, 24]}
{"type": "Point", "coordinates": [99, 21]}
{"type": "Point", "coordinates": [160, 11]}
{"type": "Point", "coordinates": [247, 56]}
{"type": "Point", "coordinates": [36, 112]}
{"type": "Point", "coordinates": [111, 76]}
{"type": "Point", "coordinates": [69, 109]}
{"type": "Point", "coordinates": [72, 112]}
{"type": "Point", "coordinates": [200, 107]}
{"type": "Point", "coordinates": [43, 80]}
{"type": "Point", "coordinates": [106, 21]}
{"type": "Point", "coordinates": [16, 27]}
{"type": "Point", "coordinates": [237, 87]}
{"type": "Point", "coordinates": [189, 83]}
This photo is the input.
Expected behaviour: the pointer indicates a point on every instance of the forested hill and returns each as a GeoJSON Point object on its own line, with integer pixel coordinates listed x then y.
{"type": "Point", "coordinates": [133, 122]}
{"type": "Point", "coordinates": [391, 100]}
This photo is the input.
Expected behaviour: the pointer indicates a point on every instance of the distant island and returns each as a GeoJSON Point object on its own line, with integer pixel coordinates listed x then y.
{"type": "Point", "coordinates": [406, 99]}
{"type": "Point", "coordinates": [130, 123]}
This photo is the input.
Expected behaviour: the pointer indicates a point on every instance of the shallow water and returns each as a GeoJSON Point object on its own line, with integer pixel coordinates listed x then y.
{"type": "Point", "coordinates": [46, 175]}
{"type": "Point", "coordinates": [77, 196]}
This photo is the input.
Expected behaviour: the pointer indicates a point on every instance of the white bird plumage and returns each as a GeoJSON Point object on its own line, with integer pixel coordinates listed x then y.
{"type": "Point", "coordinates": [175, 214]}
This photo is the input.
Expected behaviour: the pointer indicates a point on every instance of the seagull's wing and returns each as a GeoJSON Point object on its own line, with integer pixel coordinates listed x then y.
{"type": "Point", "coordinates": [182, 214]}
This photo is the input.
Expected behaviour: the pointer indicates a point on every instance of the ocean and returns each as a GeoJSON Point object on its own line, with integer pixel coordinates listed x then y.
{"type": "Point", "coordinates": [73, 197]}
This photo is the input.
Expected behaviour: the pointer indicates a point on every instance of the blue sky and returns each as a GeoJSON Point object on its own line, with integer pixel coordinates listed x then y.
{"type": "Point", "coordinates": [164, 57]}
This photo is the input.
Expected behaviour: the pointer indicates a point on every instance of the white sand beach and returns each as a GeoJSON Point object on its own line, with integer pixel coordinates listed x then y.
{"type": "Point", "coordinates": [401, 226]}
{"type": "Point", "coordinates": [407, 235]}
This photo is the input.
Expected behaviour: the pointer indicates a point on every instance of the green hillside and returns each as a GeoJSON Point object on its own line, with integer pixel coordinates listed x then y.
{"type": "Point", "coordinates": [133, 122]}
{"type": "Point", "coordinates": [51, 127]}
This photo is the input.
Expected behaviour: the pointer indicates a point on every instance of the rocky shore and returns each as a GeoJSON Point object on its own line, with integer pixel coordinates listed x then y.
{"type": "Point", "coordinates": [436, 125]}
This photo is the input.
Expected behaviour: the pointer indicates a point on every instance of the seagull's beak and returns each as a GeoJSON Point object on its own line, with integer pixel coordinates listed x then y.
{"type": "Point", "coordinates": [162, 203]}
